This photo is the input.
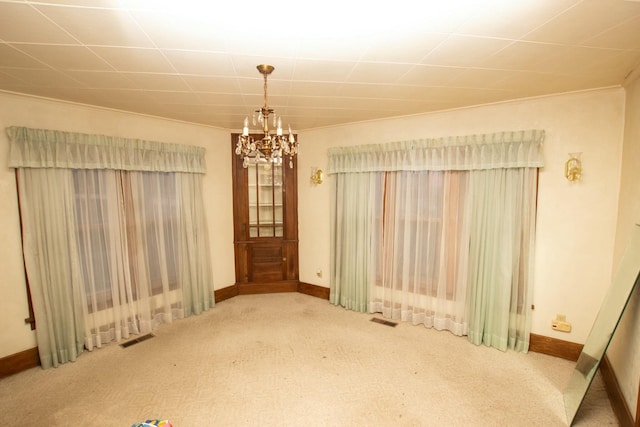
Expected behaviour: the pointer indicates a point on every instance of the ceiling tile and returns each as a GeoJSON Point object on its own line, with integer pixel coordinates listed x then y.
{"type": "Point", "coordinates": [411, 50]}
{"type": "Point", "coordinates": [369, 72]}
{"type": "Point", "coordinates": [513, 19]}
{"type": "Point", "coordinates": [521, 55]}
{"type": "Point", "coordinates": [102, 79]}
{"type": "Point", "coordinates": [178, 31]}
{"type": "Point", "coordinates": [586, 19]}
{"type": "Point", "coordinates": [43, 78]}
{"type": "Point", "coordinates": [322, 71]}
{"type": "Point", "coordinates": [429, 75]}
{"type": "Point", "coordinates": [98, 26]}
{"type": "Point", "coordinates": [22, 23]}
{"type": "Point", "coordinates": [134, 59]}
{"type": "Point", "coordinates": [458, 50]}
{"type": "Point", "coordinates": [62, 57]}
{"type": "Point", "coordinates": [201, 63]}
{"type": "Point", "coordinates": [623, 36]}
{"type": "Point", "coordinates": [14, 58]}
{"type": "Point", "coordinates": [213, 84]}
{"type": "Point", "coordinates": [155, 82]}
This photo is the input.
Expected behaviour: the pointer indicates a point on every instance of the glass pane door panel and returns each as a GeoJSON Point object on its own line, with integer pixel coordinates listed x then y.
{"type": "Point", "coordinates": [266, 232]}
{"type": "Point", "coordinates": [265, 200]}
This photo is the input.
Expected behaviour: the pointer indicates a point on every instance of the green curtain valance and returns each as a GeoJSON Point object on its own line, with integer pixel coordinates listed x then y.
{"type": "Point", "coordinates": [472, 152]}
{"type": "Point", "coordinates": [44, 148]}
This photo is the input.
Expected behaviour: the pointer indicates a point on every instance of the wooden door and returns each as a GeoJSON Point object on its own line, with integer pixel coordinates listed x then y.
{"type": "Point", "coordinates": [265, 225]}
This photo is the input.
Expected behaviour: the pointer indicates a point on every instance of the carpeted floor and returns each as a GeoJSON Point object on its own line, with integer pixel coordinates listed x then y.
{"type": "Point", "coordinates": [295, 360]}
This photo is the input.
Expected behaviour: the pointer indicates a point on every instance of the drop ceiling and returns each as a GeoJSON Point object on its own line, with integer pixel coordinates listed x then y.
{"type": "Point", "coordinates": [335, 62]}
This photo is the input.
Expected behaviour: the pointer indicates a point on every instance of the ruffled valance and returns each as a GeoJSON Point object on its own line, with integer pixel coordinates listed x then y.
{"type": "Point", "coordinates": [44, 148]}
{"type": "Point", "coordinates": [473, 152]}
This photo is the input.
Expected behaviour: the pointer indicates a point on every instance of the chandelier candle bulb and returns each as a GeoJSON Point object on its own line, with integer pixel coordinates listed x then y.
{"type": "Point", "coordinates": [245, 128]}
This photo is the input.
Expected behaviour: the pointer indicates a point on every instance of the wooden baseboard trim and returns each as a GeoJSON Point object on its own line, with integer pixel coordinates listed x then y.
{"type": "Point", "coordinates": [19, 362]}
{"type": "Point", "coordinates": [618, 403]}
{"type": "Point", "coordinates": [226, 293]}
{"type": "Point", "coordinates": [638, 407]}
{"type": "Point", "coordinates": [267, 288]}
{"type": "Point", "coordinates": [313, 290]}
{"type": "Point", "coordinates": [555, 347]}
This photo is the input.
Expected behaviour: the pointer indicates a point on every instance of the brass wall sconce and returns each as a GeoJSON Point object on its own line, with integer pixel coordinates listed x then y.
{"type": "Point", "coordinates": [573, 167]}
{"type": "Point", "coordinates": [317, 176]}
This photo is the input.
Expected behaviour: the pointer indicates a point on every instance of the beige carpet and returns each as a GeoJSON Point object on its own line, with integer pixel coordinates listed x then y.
{"type": "Point", "coordinates": [296, 360]}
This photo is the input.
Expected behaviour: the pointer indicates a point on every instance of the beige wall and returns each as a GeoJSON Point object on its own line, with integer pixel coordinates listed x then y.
{"type": "Point", "coordinates": [576, 222]}
{"type": "Point", "coordinates": [16, 110]}
{"type": "Point", "coordinates": [625, 346]}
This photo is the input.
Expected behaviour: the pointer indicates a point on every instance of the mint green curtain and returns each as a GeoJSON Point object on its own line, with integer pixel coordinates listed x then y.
{"type": "Point", "coordinates": [356, 223]}
{"type": "Point", "coordinates": [451, 249]}
{"type": "Point", "coordinates": [501, 257]}
{"type": "Point", "coordinates": [54, 276]}
{"type": "Point", "coordinates": [114, 236]}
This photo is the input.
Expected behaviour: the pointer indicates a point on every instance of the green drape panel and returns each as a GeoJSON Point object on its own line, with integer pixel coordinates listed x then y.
{"type": "Point", "coordinates": [49, 240]}
{"type": "Point", "coordinates": [353, 237]}
{"type": "Point", "coordinates": [501, 256]}
{"type": "Point", "coordinates": [195, 267]}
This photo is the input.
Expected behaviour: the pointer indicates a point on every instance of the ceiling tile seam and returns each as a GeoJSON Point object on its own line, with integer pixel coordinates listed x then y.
{"type": "Point", "coordinates": [66, 6]}
{"type": "Point", "coordinates": [80, 43]}
{"type": "Point", "coordinates": [160, 51]}
{"type": "Point", "coordinates": [554, 17]}
{"type": "Point", "coordinates": [619, 24]}
{"type": "Point", "coordinates": [49, 67]}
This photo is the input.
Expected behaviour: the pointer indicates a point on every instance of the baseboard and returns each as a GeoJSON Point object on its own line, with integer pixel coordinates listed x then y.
{"type": "Point", "coordinates": [313, 290]}
{"type": "Point", "coordinates": [618, 403]}
{"type": "Point", "coordinates": [19, 362]}
{"type": "Point", "coordinates": [638, 407]}
{"type": "Point", "coordinates": [555, 347]}
{"type": "Point", "coordinates": [267, 288]}
{"type": "Point", "coordinates": [226, 293]}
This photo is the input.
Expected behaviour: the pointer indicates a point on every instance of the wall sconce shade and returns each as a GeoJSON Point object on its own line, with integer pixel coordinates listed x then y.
{"type": "Point", "coordinates": [573, 167]}
{"type": "Point", "coordinates": [317, 176]}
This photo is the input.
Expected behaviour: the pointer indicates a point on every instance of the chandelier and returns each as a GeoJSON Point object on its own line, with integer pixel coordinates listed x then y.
{"type": "Point", "coordinates": [272, 146]}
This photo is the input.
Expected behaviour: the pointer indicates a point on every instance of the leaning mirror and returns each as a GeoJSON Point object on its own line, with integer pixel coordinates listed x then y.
{"type": "Point", "coordinates": [613, 305]}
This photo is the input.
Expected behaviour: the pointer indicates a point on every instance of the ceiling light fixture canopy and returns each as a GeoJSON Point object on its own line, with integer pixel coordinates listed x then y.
{"type": "Point", "coordinates": [272, 146]}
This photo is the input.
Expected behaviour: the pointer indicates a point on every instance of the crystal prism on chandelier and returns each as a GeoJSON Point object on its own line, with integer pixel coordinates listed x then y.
{"type": "Point", "coordinates": [272, 146]}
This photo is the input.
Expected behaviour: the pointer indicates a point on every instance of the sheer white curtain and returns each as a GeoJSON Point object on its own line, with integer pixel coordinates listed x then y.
{"type": "Point", "coordinates": [109, 251]}
{"type": "Point", "coordinates": [444, 236]}
{"type": "Point", "coordinates": [423, 253]}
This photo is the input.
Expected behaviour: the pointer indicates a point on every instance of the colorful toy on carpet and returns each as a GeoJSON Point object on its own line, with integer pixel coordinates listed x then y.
{"type": "Point", "coordinates": [153, 423]}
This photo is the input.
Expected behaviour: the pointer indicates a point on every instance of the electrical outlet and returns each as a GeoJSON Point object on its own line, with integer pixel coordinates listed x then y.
{"type": "Point", "coordinates": [561, 324]}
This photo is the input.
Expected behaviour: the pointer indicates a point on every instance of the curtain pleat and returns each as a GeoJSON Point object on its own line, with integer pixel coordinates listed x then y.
{"type": "Point", "coordinates": [357, 210]}
{"type": "Point", "coordinates": [45, 148]}
{"type": "Point", "coordinates": [473, 152]}
{"type": "Point", "coordinates": [49, 247]}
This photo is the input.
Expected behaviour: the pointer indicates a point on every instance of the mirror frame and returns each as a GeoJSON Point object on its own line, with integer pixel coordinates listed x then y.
{"type": "Point", "coordinates": [607, 320]}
